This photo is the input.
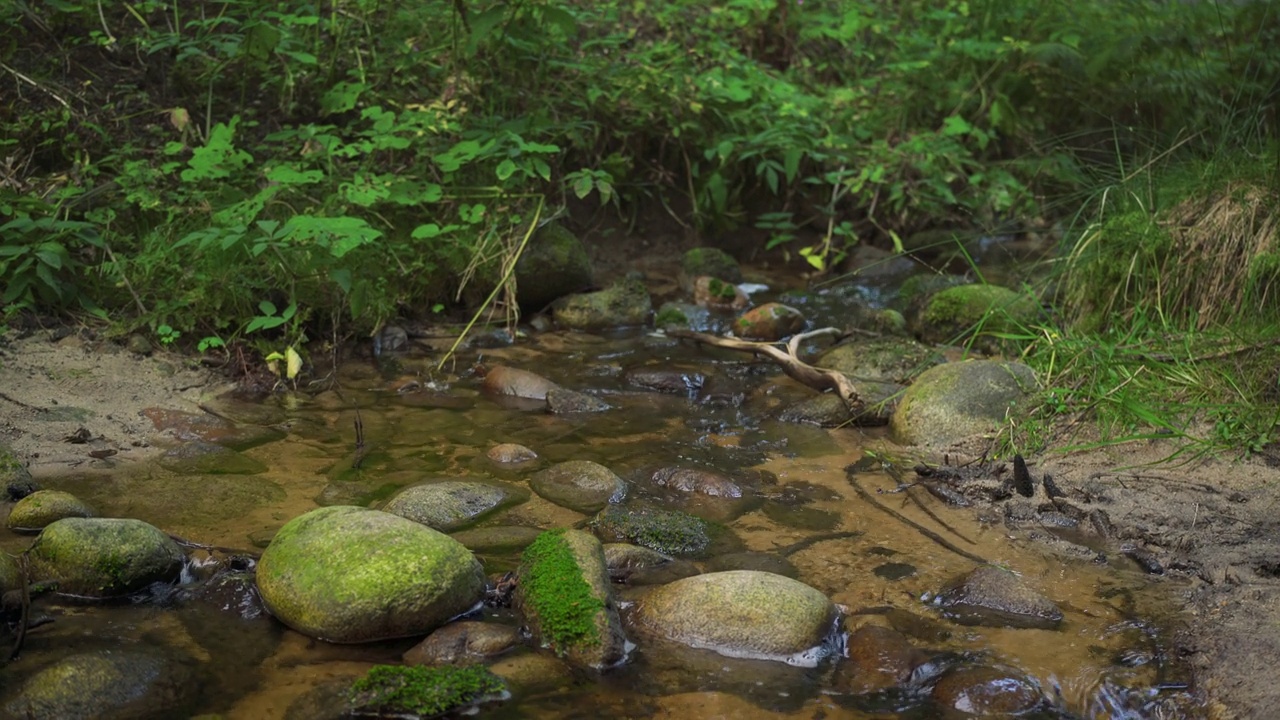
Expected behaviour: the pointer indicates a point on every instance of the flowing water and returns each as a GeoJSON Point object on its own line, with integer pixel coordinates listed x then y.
{"type": "Point", "coordinates": [1103, 661]}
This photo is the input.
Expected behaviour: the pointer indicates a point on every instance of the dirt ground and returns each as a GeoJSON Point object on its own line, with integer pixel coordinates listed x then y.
{"type": "Point", "coordinates": [1213, 525]}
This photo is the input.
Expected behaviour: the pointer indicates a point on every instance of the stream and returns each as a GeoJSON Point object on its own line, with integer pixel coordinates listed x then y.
{"type": "Point", "coordinates": [817, 512]}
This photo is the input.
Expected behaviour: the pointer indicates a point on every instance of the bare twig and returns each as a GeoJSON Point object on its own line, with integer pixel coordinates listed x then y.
{"type": "Point", "coordinates": [819, 379]}
{"type": "Point", "coordinates": [857, 487]}
{"type": "Point", "coordinates": [36, 85]}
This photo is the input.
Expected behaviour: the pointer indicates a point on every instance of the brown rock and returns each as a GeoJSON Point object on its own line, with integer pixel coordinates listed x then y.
{"type": "Point", "coordinates": [717, 294]}
{"type": "Point", "coordinates": [513, 382]}
{"type": "Point", "coordinates": [511, 453]}
{"type": "Point", "coordinates": [704, 482]}
{"type": "Point", "coordinates": [987, 692]}
{"type": "Point", "coordinates": [879, 659]}
{"type": "Point", "coordinates": [769, 322]}
{"type": "Point", "coordinates": [464, 642]}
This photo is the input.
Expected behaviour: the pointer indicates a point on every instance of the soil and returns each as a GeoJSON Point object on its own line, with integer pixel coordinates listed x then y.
{"type": "Point", "coordinates": [1213, 524]}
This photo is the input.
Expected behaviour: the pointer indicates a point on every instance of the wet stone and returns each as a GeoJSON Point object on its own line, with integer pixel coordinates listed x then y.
{"type": "Point", "coordinates": [497, 539]}
{"type": "Point", "coordinates": [463, 642]}
{"type": "Point", "coordinates": [208, 428]}
{"type": "Point", "coordinates": [879, 659]}
{"type": "Point", "coordinates": [995, 597]}
{"type": "Point", "coordinates": [513, 382]}
{"type": "Point", "coordinates": [130, 683]}
{"type": "Point", "coordinates": [716, 294]}
{"type": "Point", "coordinates": [759, 561]}
{"type": "Point", "coordinates": [104, 558]}
{"type": "Point", "coordinates": [665, 380]}
{"type": "Point", "coordinates": [769, 322]}
{"type": "Point", "coordinates": [40, 508]}
{"type": "Point", "coordinates": [580, 485]}
{"type": "Point", "coordinates": [667, 531]}
{"type": "Point", "coordinates": [565, 402]}
{"type": "Point", "coordinates": [988, 692]}
{"type": "Point", "coordinates": [510, 453]}
{"type": "Point", "coordinates": [703, 482]}
{"type": "Point", "coordinates": [448, 505]}
{"type": "Point", "coordinates": [204, 458]}
{"type": "Point", "coordinates": [894, 571]}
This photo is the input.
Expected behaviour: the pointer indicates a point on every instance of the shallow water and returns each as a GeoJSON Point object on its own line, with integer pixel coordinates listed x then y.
{"type": "Point", "coordinates": [860, 556]}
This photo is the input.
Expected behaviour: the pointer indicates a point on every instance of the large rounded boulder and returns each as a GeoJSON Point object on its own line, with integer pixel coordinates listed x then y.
{"type": "Point", "coordinates": [554, 264]}
{"type": "Point", "coordinates": [44, 507]}
{"type": "Point", "coordinates": [951, 402]}
{"type": "Point", "coordinates": [103, 557]}
{"type": "Point", "coordinates": [127, 683]}
{"type": "Point", "coordinates": [626, 303]}
{"type": "Point", "coordinates": [741, 613]}
{"type": "Point", "coordinates": [580, 485]}
{"type": "Point", "coordinates": [348, 574]}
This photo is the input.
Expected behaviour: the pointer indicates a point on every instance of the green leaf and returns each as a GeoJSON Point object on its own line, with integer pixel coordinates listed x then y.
{"type": "Point", "coordinates": [542, 168]}
{"type": "Point", "coordinates": [342, 278]}
{"type": "Point", "coordinates": [506, 169]}
{"type": "Point", "coordinates": [267, 307]}
{"type": "Point", "coordinates": [428, 230]}
{"type": "Point", "coordinates": [582, 186]}
{"type": "Point", "coordinates": [956, 125]}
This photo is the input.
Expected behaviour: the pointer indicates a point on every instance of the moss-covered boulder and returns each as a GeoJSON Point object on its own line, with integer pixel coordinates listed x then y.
{"type": "Point", "coordinates": [626, 303]}
{"type": "Point", "coordinates": [713, 262]}
{"type": "Point", "coordinates": [957, 313]}
{"type": "Point", "coordinates": [561, 401]}
{"type": "Point", "coordinates": [563, 595]}
{"type": "Point", "coordinates": [348, 574]}
{"type": "Point", "coordinates": [580, 485]}
{"type": "Point", "coordinates": [996, 597]}
{"type": "Point", "coordinates": [884, 359]}
{"type": "Point", "coordinates": [33, 512]}
{"type": "Point", "coordinates": [954, 401]}
{"type": "Point", "coordinates": [199, 458]}
{"type": "Point", "coordinates": [741, 613]}
{"type": "Point", "coordinates": [127, 683]}
{"type": "Point", "coordinates": [448, 505]}
{"type": "Point", "coordinates": [554, 264]}
{"type": "Point", "coordinates": [103, 558]}
{"type": "Point", "coordinates": [394, 691]}
{"type": "Point", "coordinates": [10, 574]}
{"type": "Point", "coordinates": [715, 294]}
{"type": "Point", "coordinates": [769, 322]}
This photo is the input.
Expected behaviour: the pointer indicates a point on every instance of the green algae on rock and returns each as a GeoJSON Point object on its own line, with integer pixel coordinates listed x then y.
{"type": "Point", "coordinates": [44, 507]}
{"type": "Point", "coordinates": [564, 595]}
{"type": "Point", "coordinates": [348, 574]}
{"type": "Point", "coordinates": [423, 692]}
{"type": "Point", "coordinates": [667, 531]}
{"type": "Point", "coordinates": [103, 558]}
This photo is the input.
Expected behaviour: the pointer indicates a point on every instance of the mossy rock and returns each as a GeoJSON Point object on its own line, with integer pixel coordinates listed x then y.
{"type": "Point", "coordinates": [15, 480]}
{"type": "Point", "coordinates": [668, 531]}
{"type": "Point", "coordinates": [710, 261]}
{"type": "Point", "coordinates": [917, 289]}
{"type": "Point", "coordinates": [958, 313]}
{"type": "Point", "coordinates": [554, 264]}
{"type": "Point", "coordinates": [44, 507]}
{"type": "Point", "coordinates": [880, 399]}
{"type": "Point", "coordinates": [624, 304]}
{"type": "Point", "coordinates": [958, 400]}
{"type": "Point", "coordinates": [10, 573]}
{"type": "Point", "coordinates": [885, 359]}
{"type": "Point", "coordinates": [564, 596]}
{"type": "Point", "coordinates": [741, 613]}
{"type": "Point", "coordinates": [769, 322]}
{"type": "Point", "coordinates": [126, 683]}
{"type": "Point", "coordinates": [103, 558]}
{"type": "Point", "coordinates": [423, 692]}
{"type": "Point", "coordinates": [348, 574]}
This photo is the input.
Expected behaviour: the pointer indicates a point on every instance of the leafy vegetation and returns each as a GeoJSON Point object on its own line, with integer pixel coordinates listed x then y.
{"type": "Point", "coordinates": [232, 171]}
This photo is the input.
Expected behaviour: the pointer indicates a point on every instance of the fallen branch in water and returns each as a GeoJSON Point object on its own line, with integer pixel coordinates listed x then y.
{"type": "Point", "coordinates": [819, 379]}
{"type": "Point", "coordinates": [862, 493]}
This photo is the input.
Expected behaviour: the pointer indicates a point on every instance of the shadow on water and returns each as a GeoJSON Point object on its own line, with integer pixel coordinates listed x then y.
{"type": "Point", "coordinates": [799, 515]}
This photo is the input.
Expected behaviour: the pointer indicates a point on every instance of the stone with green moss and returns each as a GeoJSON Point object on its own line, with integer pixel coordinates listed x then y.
{"type": "Point", "coordinates": [43, 507]}
{"type": "Point", "coordinates": [349, 574]}
{"type": "Point", "coordinates": [711, 261]}
{"type": "Point", "coordinates": [15, 479]}
{"type": "Point", "coordinates": [103, 557]}
{"type": "Point", "coordinates": [669, 315]}
{"type": "Point", "coordinates": [554, 264]}
{"type": "Point", "coordinates": [10, 573]}
{"type": "Point", "coordinates": [667, 531]}
{"type": "Point", "coordinates": [423, 692]}
{"type": "Point", "coordinates": [959, 400]}
{"type": "Point", "coordinates": [883, 359]}
{"type": "Point", "coordinates": [128, 682]}
{"type": "Point", "coordinates": [956, 314]}
{"type": "Point", "coordinates": [564, 596]}
{"type": "Point", "coordinates": [624, 304]}
{"type": "Point", "coordinates": [769, 322]}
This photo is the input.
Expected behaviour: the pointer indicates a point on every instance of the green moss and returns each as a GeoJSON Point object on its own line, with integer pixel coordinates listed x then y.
{"type": "Point", "coordinates": [723, 290]}
{"type": "Point", "coordinates": [557, 594]}
{"type": "Point", "coordinates": [671, 316]}
{"type": "Point", "coordinates": [667, 531]}
{"type": "Point", "coordinates": [711, 261]}
{"type": "Point", "coordinates": [388, 690]}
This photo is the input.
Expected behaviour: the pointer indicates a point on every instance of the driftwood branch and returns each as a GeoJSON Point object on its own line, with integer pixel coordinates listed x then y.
{"type": "Point", "coordinates": [819, 379]}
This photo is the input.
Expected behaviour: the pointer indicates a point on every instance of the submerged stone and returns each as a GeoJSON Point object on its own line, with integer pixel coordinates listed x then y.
{"type": "Point", "coordinates": [208, 428]}
{"type": "Point", "coordinates": [667, 531]}
{"type": "Point", "coordinates": [510, 453]}
{"type": "Point", "coordinates": [996, 597]}
{"type": "Point", "coordinates": [104, 557]}
{"type": "Point", "coordinates": [580, 485]}
{"type": "Point", "coordinates": [347, 574]}
{"type": "Point", "coordinates": [564, 402]}
{"type": "Point", "coordinates": [879, 659]}
{"type": "Point", "coordinates": [463, 642]}
{"type": "Point", "coordinates": [988, 692]}
{"type": "Point", "coordinates": [198, 458]}
{"type": "Point", "coordinates": [422, 692]}
{"type": "Point", "coordinates": [448, 505]}
{"type": "Point", "coordinates": [127, 683]}
{"type": "Point", "coordinates": [741, 613]}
